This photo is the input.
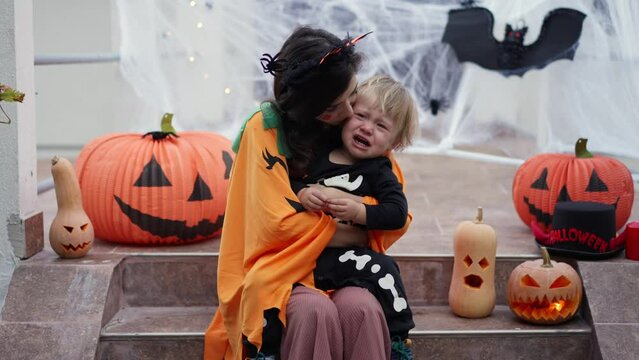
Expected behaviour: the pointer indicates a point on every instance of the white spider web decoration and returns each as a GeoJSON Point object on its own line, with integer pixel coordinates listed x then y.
{"type": "Point", "coordinates": [200, 60]}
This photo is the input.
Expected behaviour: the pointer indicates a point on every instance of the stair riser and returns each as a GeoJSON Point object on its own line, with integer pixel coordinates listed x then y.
{"type": "Point", "coordinates": [191, 281]}
{"type": "Point", "coordinates": [424, 347]}
{"type": "Point", "coordinates": [150, 349]}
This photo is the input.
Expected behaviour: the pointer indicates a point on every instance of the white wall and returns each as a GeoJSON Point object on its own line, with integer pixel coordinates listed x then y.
{"type": "Point", "coordinates": [77, 102]}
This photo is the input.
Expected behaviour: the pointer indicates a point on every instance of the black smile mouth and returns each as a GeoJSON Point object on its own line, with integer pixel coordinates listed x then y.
{"type": "Point", "coordinates": [542, 217]}
{"type": "Point", "coordinates": [165, 228]}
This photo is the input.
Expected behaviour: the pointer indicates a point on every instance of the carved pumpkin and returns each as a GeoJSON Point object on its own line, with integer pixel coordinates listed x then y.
{"type": "Point", "coordinates": [546, 179]}
{"type": "Point", "coordinates": [156, 188]}
{"type": "Point", "coordinates": [472, 288]}
{"type": "Point", "coordinates": [544, 291]}
{"type": "Point", "coordinates": [71, 232]}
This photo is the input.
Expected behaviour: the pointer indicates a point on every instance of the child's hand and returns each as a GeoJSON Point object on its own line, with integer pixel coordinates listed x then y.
{"type": "Point", "coordinates": [348, 209]}
{"type": "Point", "coordinates": [312, 198]}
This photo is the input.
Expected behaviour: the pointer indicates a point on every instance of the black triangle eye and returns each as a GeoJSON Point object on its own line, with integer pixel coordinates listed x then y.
{"type": "Point", "coordinates": [228, 162]}
{"type": "Point", "coordinates": [596, 184]}
{"type": "Point", "coordinates": [541, 183]}
{"type": "Point", "coordinates": [563, 195]}
{"type": "Point", "coordinates": [201, 191]}
{"type": "Point", "coordinates": [152, 175]}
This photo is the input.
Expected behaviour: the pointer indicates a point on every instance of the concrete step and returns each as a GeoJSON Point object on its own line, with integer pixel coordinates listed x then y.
{"type": "Point", "coordinates": [178, 332]}
{"type": "Point", "coordinates": [159, 305]}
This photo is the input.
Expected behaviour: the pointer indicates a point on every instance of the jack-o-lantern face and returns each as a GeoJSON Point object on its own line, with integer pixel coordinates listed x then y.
{"type": "Point", "coordinates": [159, 190]}
{"type": "Point", "coordinates": [546, 179]}
{"type": "Point", "coordinates": [71, 234]}
{"type": "Point", "coordinates": [544, 291]}
{"type": "Point", "coordinates": [473, 279]}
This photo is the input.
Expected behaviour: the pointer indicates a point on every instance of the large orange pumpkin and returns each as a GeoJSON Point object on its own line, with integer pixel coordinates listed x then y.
{"type": "Point", "coordinates": [546, 179]}
{"type": "Point", "coordinates": [157, 188]}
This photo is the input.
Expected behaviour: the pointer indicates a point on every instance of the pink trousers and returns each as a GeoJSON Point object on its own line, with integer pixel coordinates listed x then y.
{"type": "Point", "coordinates": [348, 326]}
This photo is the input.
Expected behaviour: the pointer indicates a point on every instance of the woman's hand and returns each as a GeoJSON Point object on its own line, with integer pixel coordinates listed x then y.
{"type": "Point", "coordinates": [348, 236]}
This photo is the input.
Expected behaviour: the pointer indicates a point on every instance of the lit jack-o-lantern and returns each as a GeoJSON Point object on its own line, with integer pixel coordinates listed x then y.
{"type": "Point", "coordinates": [157, 188]}
{"type": "Point", "coordinates": [71, 232]}
{"type": "Point", "coordinates": [544, 291]}
{"type": "Point", "coordinates": [472, 287]}
{"type": "Point", "coordinates": [546, 179]}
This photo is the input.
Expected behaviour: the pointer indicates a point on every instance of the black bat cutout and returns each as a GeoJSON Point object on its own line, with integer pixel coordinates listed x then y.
{"type": "Point", "coordinates": [469, 31]}
{"type": "Point", "coordinates": [271, 160]}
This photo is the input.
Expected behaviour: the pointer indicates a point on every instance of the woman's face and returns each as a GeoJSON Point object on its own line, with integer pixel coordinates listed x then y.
{"type": "Point", "coordinates": [342, 108]}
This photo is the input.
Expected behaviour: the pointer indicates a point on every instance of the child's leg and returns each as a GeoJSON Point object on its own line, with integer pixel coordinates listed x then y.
{"type": "Point", "coordinates": [378, 273]}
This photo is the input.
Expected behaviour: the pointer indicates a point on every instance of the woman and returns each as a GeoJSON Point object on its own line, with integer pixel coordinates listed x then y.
{"type": "Point", "coordinates": [269, 243]}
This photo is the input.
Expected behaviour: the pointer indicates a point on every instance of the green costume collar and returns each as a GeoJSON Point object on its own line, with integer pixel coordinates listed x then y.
{"type": "Point", "coordinates": [271, 120]}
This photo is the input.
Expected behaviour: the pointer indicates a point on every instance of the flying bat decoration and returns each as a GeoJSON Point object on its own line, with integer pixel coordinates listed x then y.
{"type": "Point", "coordinates": [469, 32]}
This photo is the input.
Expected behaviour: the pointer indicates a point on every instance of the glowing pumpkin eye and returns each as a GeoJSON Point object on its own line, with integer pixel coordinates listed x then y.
{"type": "Point", "coordinates": [595, 184]}
{"type": "Point", "coordinates": [541, 183]}
{"type": "Point", "coordinates": [84, 227]}
{"type": "Point", "coordinates": [69, 229]}
{"type": "Point", "coordinates": [527, 280]}
{"type": "Point", "coordinates": [468, 260]}
{"type": "Point", "coordinates": [484, 263]}
{"type": "Point", "coordinates": [560, 282]}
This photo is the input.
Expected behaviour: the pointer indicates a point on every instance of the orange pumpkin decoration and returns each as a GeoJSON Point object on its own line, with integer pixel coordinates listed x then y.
{"type": "Point", "coordinates": [472, 287]}
{"type": "Point", "coordinates": [544, 291]}
{"type": "Point", "coordinates": [156, 188]}
{"type": "Point", "coordinates": [546, 179]}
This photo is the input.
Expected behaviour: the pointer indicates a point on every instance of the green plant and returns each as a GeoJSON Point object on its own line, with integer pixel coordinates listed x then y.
{"type": "Point", "coordinates": [9, 95]}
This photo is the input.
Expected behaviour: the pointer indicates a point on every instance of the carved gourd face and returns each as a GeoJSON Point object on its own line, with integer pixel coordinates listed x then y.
{"type": "Point", "coordinates": [157, 189]}
{"type": "Point", "coordinates": [71, 234]}
{"type": "Point", "coordinates": [546, 179]}
{"type": "Point", "coordinates": [544, 291]}
{"type": "Point", "coordinates": [472, 287]}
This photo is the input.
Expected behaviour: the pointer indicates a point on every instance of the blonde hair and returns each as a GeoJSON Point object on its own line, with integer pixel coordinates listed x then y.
{"type": "Point", "coordinates": [396, 102]}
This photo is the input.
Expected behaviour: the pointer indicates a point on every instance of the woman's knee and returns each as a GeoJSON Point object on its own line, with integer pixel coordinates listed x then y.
{"type": "Point", "coordinates": [354, 301]}
{"type": "Point", "coordinates": [310, 305]}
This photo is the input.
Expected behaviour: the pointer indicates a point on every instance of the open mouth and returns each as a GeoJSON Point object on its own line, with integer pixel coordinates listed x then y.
{"type": "Point", "coordinates": [557, 307]}
{"type": "Point", "coordinates": [361, 141]}
{"type": "Point", "coordinates": [474, 281]}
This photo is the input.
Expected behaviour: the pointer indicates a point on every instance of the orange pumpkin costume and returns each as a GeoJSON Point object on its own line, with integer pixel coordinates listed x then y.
{"type": "Point", "coordinates": [267, 245]}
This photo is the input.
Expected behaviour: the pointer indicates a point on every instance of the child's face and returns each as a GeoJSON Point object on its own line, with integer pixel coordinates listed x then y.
{"type": "Point", "coordinates": [369, 132]}
{"type": "Point", "coordinates": [342, 107]}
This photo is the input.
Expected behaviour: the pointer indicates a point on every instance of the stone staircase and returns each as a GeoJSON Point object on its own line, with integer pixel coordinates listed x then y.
{"type": "Point", "coordinates": [158, 307]}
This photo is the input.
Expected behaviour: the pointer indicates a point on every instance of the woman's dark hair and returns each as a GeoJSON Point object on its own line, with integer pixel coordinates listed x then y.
{"type": "Point", "coordinates": [304, 88]}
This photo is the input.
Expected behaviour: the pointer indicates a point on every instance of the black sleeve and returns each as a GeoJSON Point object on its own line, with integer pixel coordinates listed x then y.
{"type": "Point", "coordinates": [297, 185]}
{"type": "Point", "coordinates": [392, 211]}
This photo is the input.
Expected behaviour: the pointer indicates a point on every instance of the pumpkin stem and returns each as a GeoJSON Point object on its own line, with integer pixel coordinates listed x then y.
{"type": "Point", "coordinates": [546, 256]}
{"type": "Point", "coordinates": [480, 215]}
{"type": "Point", "coordinates": [581, 152]}
{"type": "Point", "coordinates": [166, 125]}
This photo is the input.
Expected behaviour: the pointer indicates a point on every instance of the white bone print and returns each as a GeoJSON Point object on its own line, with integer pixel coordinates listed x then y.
{"type": "Point", "coordinates": [360, 261]}
{"type": "Point", "coordinates": [375, 268]}
{"type": "Point", "coordinates": [342, 181]}
{"type": "Point", "coordinates": [388, 283]}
